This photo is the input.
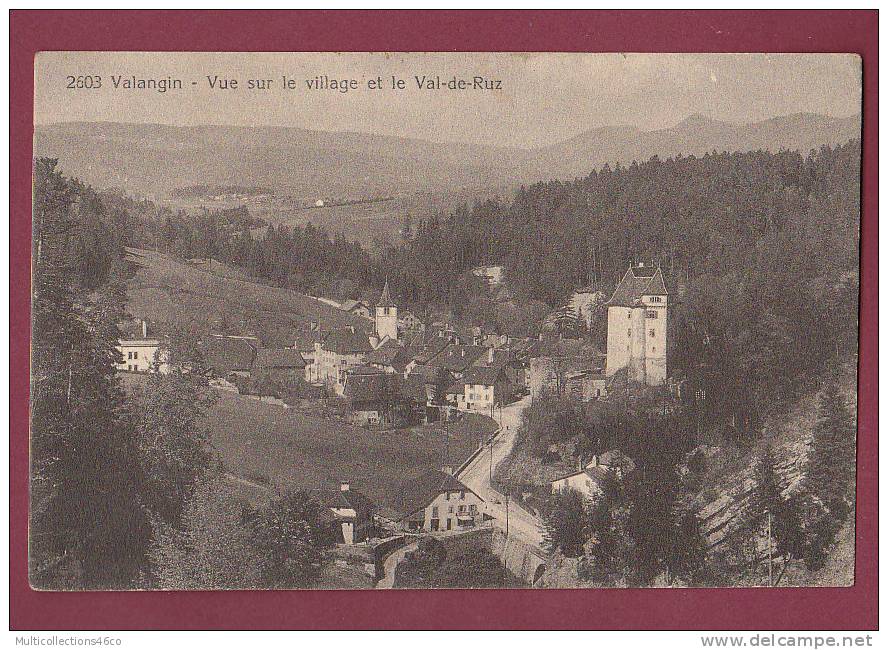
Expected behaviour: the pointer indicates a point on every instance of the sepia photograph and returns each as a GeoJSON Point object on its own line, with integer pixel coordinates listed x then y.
{"type": "Point", "coordinates": [443, 320]}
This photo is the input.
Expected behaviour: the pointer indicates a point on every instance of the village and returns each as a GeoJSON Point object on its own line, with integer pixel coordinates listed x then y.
{"type": "Point", "coordinates": [398, 372]}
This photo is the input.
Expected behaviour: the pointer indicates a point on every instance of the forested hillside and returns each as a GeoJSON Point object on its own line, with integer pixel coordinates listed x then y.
{"type": "Point", "coordinates": [760, 252]}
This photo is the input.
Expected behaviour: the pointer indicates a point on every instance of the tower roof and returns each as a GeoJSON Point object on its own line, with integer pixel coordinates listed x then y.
{"type": "Point", "coordinates": [385, 300]}
{"type": "Point", "coordinates": [637, 282]}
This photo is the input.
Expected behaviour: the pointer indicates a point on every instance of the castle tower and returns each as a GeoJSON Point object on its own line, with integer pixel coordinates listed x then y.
{"type": "Point", "coordinates": [636, 326]}
{"type": "Point", "coordinates": [386, 316]}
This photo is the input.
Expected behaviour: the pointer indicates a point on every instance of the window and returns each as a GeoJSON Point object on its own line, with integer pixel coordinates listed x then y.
{"type": "Point", "coordinates": [135, 355]}
{"type": "Point", "coordinates": [434, 512]}
{"type": "Point", "coordinates": [462, 495]}
{"type": "Point", "coordinates": [656, 299]}
{"type": "Point", "coordinates": [450, 509]}
{"type": "Point", "coordinates": [628, 313]}
{"type": "Point", "coordinates": [461, 509]}
{"type": "Point", "coordinates": [129, 355]}
{"type": "Point", "coordinates": [651, 313]}
{"type": "Point", "coordinates": [629, 332]}
{"type": "Point", "coordinates": [447, 496]}
{"type": "Point", "coordinates": [653, 333]}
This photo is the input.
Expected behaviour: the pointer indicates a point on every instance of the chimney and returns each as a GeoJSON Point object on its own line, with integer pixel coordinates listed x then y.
{"type": "Point", "coordinates": [462, 352]}
{"type": "Point", "coordinates": [447, 469]}
{"type": "Point", "coordinates": [351, 328]}
{"type": "Point", "coordinates": [344, 486]}
{"type": "Point", "coordinates": [490, 356]}
{"type": "Point", "coordinates": [144, 329]}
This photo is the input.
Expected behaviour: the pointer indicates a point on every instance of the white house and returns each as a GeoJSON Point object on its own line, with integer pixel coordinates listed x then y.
{"type": "Point", "coordinates": [586, 481]}
{"type": "Point", "coordinates": [141, 355]}
{"type": "Point", "coordinates": [636, 326]}
{"type": "Point", "coordinates": [340, 350]}
{"type": "Point", "coordinates": [438, 502]}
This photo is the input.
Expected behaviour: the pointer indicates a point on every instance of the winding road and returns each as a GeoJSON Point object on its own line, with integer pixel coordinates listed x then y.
{"type": "Point", "coordinates": [477, 474]}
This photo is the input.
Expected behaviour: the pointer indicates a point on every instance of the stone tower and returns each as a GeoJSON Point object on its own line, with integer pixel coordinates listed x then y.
{"type": "Point", "coordinates": [386, 316]}
{"type": "Point", "coordinates": [636, 326]}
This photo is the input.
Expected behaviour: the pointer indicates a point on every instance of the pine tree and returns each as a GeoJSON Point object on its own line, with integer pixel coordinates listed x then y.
{"type": "Point", "coordinates": [832, 457]}
{"type": "Point", "coordinates": [686, 559]}
{"type": "Point", "coordinates": [608, 552]}
{"type": "Point", "coordinates": [87, 525]}
{"type": "Point", "coordinates": [566, 527]}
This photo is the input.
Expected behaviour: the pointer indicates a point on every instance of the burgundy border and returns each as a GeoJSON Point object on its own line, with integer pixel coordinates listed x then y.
{"type": "Point", "coordinates": [642, 31]}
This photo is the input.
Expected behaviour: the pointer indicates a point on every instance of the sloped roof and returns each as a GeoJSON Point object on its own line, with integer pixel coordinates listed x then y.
{"type": "Point", "coordinates": [370, 387]}
{"type": "Point", "coordinates": [483, 375]}
{"type": "Point", "coordinates": [278, 358]}
{"type": "Point", "coordinates": [596, 473]}
{"type": "Point", "coordinates": [348, 499]}
{"type": "Point", "coordinates": [385, 300]}
{"type": "Point", "coordinates": [390, 353]}
{"type": "Point", "coordinates": [555, 347]}
{"type": "Point", "coordinates": [638, 281]}
{"type": "Point", "coordinates": [346, 341]}
{"type": "Point", "coordinates": [416, 387]}
{"type": "Point", "coordinates": [348, 305]}
{"type": "Point", "coordinates": [225, 355]}
{"type": "Point", "coordinates": [457, 358]}
{"type": "Point", "coordinates": [421, 491]}
{"type": "Point", "coordinates": [430, 350]}
{"type": "Point", "coordinates": [501, 359]}
{"type": "Point", "coordinates": [305, 341]}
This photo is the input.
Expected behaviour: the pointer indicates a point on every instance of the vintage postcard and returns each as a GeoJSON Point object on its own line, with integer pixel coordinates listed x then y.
{"type": "Point", "coordinates": [444, 320]}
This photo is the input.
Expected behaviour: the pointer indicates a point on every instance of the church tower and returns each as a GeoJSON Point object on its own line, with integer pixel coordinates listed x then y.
{"type": "Point", "coordinates": [636, 326]}
{"type": "Point", "coordinates": [386, 316]}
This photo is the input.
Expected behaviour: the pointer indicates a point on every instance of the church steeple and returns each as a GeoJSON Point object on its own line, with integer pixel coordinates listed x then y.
{"type": "Point", "coordinates": [386, 315]}
{"type": "Point", "coordinates": [385, 300]}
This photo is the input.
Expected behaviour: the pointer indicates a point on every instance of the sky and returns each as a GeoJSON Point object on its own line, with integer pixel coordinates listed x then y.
{"type": "Point", "coordinates": [542, 98]}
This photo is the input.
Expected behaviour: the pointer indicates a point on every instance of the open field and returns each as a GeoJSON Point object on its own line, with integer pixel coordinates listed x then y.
{"type": "Point", "coordinates": [166, 290]}
{"type": "Point", "coordinates": [259, 440]}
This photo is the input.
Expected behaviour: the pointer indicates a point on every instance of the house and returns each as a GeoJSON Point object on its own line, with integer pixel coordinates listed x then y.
{"type": "Point", "coordinates": [372, 395]}
{"type": "Point", "coordinates": [339, 350]}
{"type": "Point", "coordinates": [585, 385]}
{"type": "Point", "coordinates": [614, 460]}
{"type": "Point", "coordinates": [230, 355]}
{"type": "Point", "coordinates": [409, 323]}
{"type": "Point", "coordinates": [142, 355]}
{"type": "Point", "coordinates": [356, 308]}
{"type": "Point", "coordinates": [455, 358]}
{"type": "Point", "coordinates": [280, 364]}
{"type": "Point", "coordinates": [425, 353]}
{"type": "Point", "coordinates": [484, 388]}
{"type": "Point", "coordinates": [636, 326]}
{"type": "Point", "coordinates": [491, 275]}
{"type": "Point", "coordinates": [437, 501]}
{"type": "Point", "coordinates": [352, 513]}
{"type": "Point", "coordinates": [553, 361]}
{"type": "Point", "coordinates": [305, 343]}
{"type": "Point", "coordinates": [390, 356]}
{"type": "Point", "coordinates": [587, 481]}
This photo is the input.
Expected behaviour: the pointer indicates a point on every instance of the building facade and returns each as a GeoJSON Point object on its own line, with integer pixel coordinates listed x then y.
{"type": "Point", "coordinates": [439, 502]}
{"type": "Point", "coordinates": [141, 355]}
{"type": "Point", "coordinates": [636, 326]}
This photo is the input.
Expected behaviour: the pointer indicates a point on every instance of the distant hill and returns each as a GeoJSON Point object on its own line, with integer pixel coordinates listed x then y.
{"type": "Point", "coordinates": [696, 135]}
{"type": "Point", "coordinates": [154, 159]}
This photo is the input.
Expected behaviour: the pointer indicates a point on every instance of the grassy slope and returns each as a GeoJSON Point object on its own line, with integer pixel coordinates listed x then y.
{"type": "Point", "coordinates": [291, 449]}
{"type": "Point", "coordinates": [167, 290]}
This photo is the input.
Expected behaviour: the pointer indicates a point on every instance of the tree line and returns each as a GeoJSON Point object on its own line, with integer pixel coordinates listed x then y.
{"type": "Point", "coordinates": [643, 528]}
{"type": "Point", "coordinates": [126, 490]}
